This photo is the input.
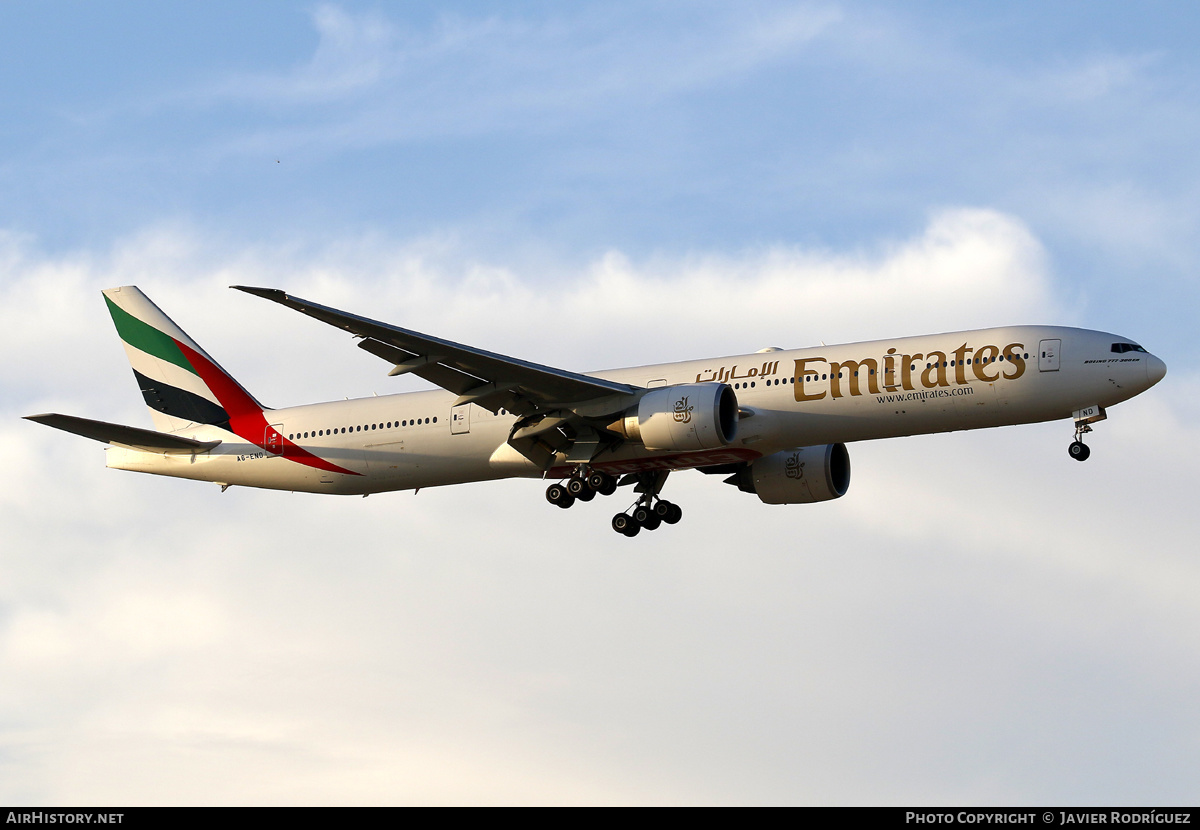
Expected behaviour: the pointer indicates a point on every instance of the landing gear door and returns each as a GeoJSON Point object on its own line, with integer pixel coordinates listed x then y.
{"type": "Point", "coordinates": [273, 440]}
{"type": "Point", "coordinates": [1048, 355]}
{"type": "Point", "coordinates": [460, 419]}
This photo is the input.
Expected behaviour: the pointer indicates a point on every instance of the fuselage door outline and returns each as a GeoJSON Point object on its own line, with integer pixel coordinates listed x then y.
{"type": "Point", "coordinates": [460, 419]}
{"type": "Point", "coordinates": [273, 439]}
{"type": "Point", "coordinates": [1048, 355]}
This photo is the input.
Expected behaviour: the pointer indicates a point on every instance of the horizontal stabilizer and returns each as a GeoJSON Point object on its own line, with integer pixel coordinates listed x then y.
{"type": "Point", "coordinates": [140, 439]}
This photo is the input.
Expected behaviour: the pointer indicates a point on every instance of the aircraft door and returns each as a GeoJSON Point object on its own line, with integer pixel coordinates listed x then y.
{"type": "Point", "coordinates": [273, 439]}
{"type": "Point", "coordinates": [460, 419]}
{"type": "Point", "coordinates": [1048, 355]}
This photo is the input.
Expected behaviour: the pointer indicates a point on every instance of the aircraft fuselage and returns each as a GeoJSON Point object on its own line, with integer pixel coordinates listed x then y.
{"type": "Point", "coordinates": [787, 398]}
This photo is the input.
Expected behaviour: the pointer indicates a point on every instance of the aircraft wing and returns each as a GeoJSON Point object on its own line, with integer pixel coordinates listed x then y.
{"type": "Point", "coordinates": [485, 378]}
{"type": "Point", "coordinates": [139, 439]}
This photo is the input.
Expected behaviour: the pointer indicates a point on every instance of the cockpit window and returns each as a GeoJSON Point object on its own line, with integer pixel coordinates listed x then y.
{"type": "Point", "coordinates": [1121, 348]}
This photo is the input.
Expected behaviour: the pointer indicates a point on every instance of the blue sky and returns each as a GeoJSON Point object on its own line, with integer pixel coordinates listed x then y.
{"type": "Point", "coordinates": [648, 128]}
{"type": "Point", "coordinates": [591, 185]}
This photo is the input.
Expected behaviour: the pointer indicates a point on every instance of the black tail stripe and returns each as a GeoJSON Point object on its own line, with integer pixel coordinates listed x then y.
{"type": "Point", "coordinates": [179, 403]}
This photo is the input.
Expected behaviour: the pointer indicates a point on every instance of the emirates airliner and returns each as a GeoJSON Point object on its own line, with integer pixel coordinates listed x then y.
{"type": "Point", "coordinates": [775, 422]}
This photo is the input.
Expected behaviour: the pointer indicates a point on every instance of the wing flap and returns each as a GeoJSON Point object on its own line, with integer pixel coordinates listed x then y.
{"type": "Point", "coordinates": [140, 439]}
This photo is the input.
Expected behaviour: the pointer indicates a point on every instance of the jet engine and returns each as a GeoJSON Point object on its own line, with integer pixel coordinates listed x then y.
{"type": "Point", "coordinates": [799, 476]}
{"type": "Point", "coordinates": [691, 416]}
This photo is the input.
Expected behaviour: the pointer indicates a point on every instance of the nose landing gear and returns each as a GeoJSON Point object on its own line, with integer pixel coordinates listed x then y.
{"type": "Point", "coordinates": [1084, 418]}
{"type": "Point", "coordinates": [1079, 450]}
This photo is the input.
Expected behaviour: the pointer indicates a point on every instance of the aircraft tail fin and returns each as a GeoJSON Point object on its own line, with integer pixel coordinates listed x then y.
{"type": "Point", "coordinates": [180, 383]}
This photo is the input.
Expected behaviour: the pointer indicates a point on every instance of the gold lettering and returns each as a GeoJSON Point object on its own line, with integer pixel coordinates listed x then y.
{"type": "Point", "coordinates": [1014, 357]}
{"type": "Point", "coordinates": [889, 371]}
{"type": "Point", "coordinates": [960, 365]}
{"type": "Point", "coordinates": [906, 371]}
{"type": "Point", "coordinates": [802, 370]}
{"type": "Point", "coordinates": [936, 359]}
{"type": "Point", "coordinates": [852, 367]}
{"type": "Point", "coordinates": [983, 356]}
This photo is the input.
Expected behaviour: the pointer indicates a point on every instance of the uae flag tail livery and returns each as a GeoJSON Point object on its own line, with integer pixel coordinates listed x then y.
{"type": "Point", "coordinates": [194, 403]}
{"type": "Point", "coordinates": [180, 383]}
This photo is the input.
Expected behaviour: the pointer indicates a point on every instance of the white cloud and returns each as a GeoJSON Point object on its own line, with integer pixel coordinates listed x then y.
{"type": "Point", "coordinates": [969, 269]}
{"type": "Point", "coordinates": [972, 623]}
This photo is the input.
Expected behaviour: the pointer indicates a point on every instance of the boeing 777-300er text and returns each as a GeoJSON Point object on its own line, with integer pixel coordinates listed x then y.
{"type": "Point", "coordinates": [775, 422]}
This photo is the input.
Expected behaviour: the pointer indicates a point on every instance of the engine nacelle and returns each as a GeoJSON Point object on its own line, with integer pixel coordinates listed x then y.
{"type": "Point", "coordinates": [691, 416]}
{"type": "Point", "coordinates": [803, 475]}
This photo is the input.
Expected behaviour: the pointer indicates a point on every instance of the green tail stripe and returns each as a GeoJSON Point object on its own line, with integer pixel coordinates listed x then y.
{"type": "Point", "coordinates": [147, 338]}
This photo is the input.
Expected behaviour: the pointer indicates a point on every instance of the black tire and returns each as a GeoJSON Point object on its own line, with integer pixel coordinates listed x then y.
{"type": "Point", "coordinates": [622, 522]}
{"type": "Point", "coordinates": [662, 509]}
{"type": "Point", "coordinates": [596, 480]}
{"type": "Point", "coordinates": [652, 521]}
{"type": "Point", "coordinates": [575, 486]}
{"type": "Point", "coordinates": [642, 514]}
{"type": "Point", "coordinates": [1079, 451]}
{"type": "Point", "coordinates": [586, 495]}
{"type": "Point", "coordinates": [555, 493]}
{"type": "Point", "coordinates": [676, 515]}
{"type": "Point", "coordinates": [610, 487]}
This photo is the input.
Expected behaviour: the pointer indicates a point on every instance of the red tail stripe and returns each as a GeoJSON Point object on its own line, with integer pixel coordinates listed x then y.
{"type": "Point", "coordinates": [246, 418]}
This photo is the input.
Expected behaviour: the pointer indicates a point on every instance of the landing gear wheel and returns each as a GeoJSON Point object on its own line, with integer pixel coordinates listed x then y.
{"type": "Point", "coordinates": [1079, 451]}
{"type": "Point", "coordinates": [602, 483]}
{"type": "Point", "coordinates": [652, 521]}
{"type": "Point", "coordinates": [624, 523]}
{"type": "Point", "coordinates": [642, 514]}
{"type": "Point", "coordinates": [558, 495]}
{"type": "Point", "coordinates": [586, 495]}
{"type": "Point", "coordinates": [662, 509]}
{"type": "Point", "coordinates": [576, 486]}
{"type": "Point", "coordinates": [675, 515]}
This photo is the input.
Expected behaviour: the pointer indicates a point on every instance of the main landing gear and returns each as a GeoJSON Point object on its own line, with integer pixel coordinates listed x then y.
{"type": "Point", "coordinates": [583, 486]}
{"type": "Point", "coordinates": [649, 511]}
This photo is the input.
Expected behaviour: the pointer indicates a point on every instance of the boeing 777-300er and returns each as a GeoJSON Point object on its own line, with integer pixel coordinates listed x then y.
{"type": "Point", "coordinates": [775, 422]}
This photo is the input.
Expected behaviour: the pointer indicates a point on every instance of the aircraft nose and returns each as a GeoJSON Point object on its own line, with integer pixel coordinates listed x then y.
{"type": "Point", "coordinates": [1156, 370]}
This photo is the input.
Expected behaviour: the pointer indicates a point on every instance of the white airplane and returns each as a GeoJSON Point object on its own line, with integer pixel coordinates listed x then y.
{"type": "Point", "coordinates": [774, 422]}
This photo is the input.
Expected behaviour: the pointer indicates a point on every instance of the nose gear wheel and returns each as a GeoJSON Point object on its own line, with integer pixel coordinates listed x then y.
{"type": "Point", "coordinates": [1079, 450]}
